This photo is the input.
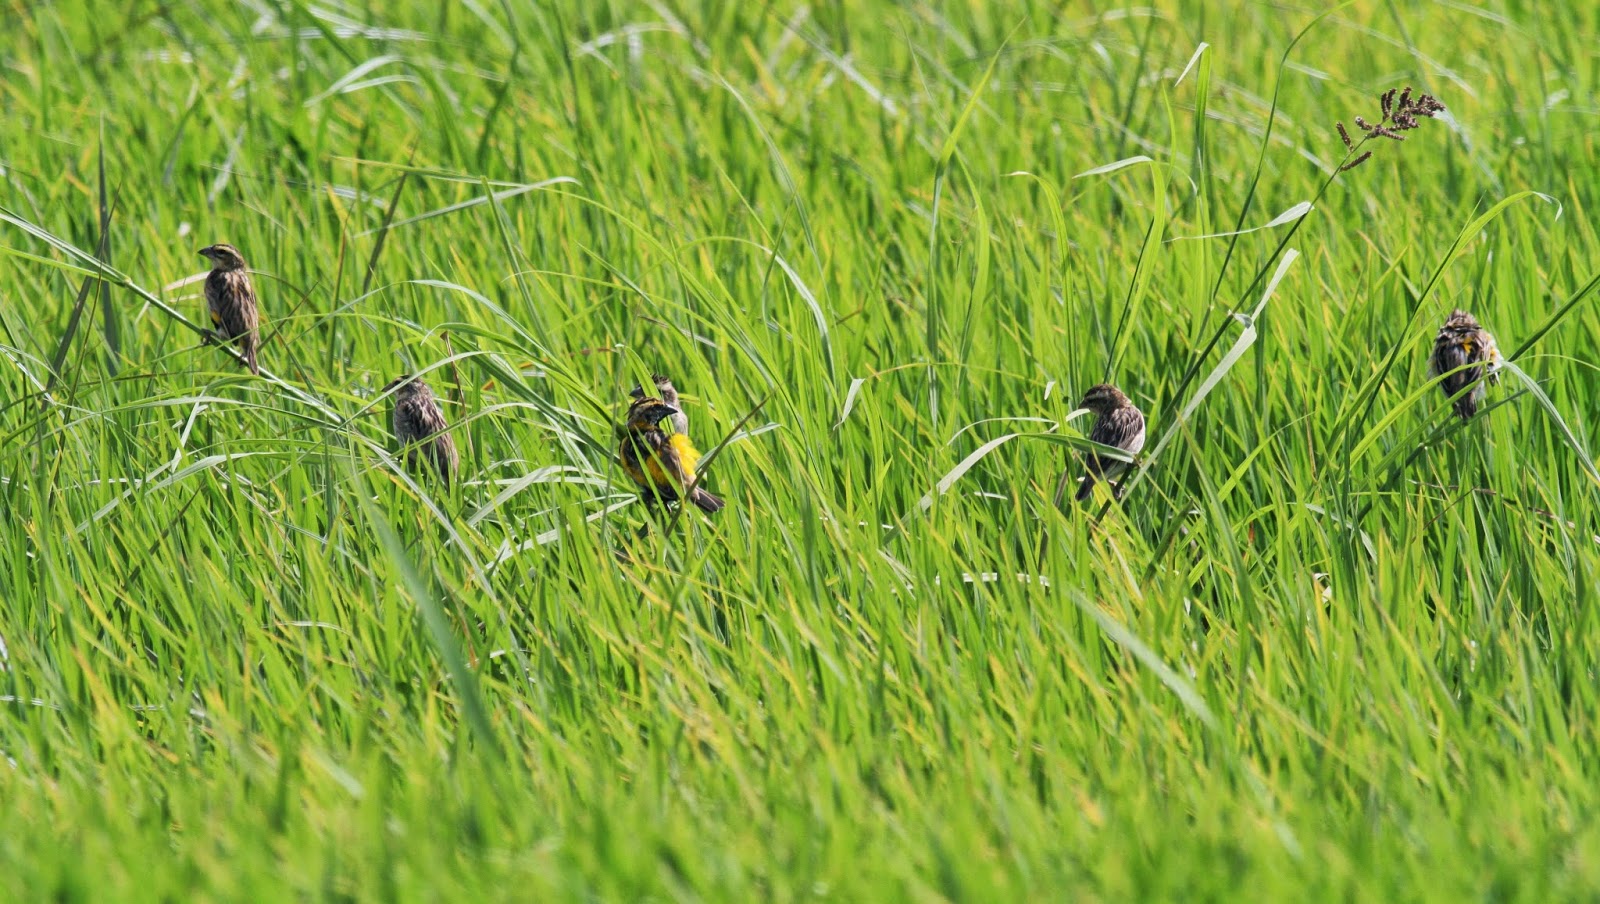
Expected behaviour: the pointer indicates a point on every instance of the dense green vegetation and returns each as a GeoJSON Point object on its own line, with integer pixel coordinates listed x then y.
{"type": "Point", "coordinates": [1336, 644]}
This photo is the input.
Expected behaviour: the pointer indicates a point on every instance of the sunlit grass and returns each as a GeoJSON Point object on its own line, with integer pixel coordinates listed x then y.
{"type": "Point", "coordinates": [1335, 644]}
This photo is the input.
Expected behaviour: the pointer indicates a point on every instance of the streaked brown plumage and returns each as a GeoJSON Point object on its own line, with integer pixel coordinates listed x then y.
{"type": "Point", "coordinates": [661, 464]}
{"type": "Point", "coordinates": [231, 301]}
{"type": "Point", "coordinates": [1117, 423]}
{"type": "Point", "coordinates": [1464, 354]}
{"type": "Point", "coordinates": [668, 394]}
{"type": "Point", "coordinates": [420, 427]}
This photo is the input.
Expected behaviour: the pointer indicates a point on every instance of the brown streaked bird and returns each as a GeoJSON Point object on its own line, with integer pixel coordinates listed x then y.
{"type": "Point", "coordinates": [420, 427]}
{"type": "Point", "coordinates": [1117, 423]}
{"type": "Point", "coordinates": [669, 394]}
{"type": "Point", "coordinates": [1464, 353]}
{"type": "Point", "coordinates": [232, 301]}
{"type": "Point", "coordinates": [661, 464]}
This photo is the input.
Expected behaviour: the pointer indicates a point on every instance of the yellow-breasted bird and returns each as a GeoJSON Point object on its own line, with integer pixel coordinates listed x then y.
{"type": "Point", "coordinates": [1118, 423]}
{"type": "Point", "coordinates": [232, 301]}
{"type": "Point", "coordinates": [661, 463]}
{"type": "Point", "coordinates": [1462, 351]}
{"type": "Point", "coordinates": [669, 394]}
{"type": "Point", "coordinates": [420, 427]}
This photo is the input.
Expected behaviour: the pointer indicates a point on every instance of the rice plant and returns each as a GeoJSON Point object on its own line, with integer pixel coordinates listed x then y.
{"type": "Point", "coordinates": [1324, 641]}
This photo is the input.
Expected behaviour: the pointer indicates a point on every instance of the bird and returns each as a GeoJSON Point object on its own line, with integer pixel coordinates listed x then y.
{"type": "Point", "coordinates": [232, 301]}
{"type": "Point", "coordinates": [1461, 350]}
{"type": "Point", "coordinates": [669, 394]}
{"type": "Point", "coordinates": [1117, 423]}
{"type": "Point", "coordinates": [662, 464]}
{"type": "Point", "coordinates": [420, 427]}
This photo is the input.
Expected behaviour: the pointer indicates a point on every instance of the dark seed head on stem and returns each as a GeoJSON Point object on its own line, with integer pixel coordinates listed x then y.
{"type": "Point", "coordinates": [1399, 115]}
{"type": "Point", "coordinates": [1356, 162]}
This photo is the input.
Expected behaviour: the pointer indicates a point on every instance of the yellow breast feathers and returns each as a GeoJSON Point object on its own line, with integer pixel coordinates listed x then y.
{"type": "Point", "coordinates": [688, 455]}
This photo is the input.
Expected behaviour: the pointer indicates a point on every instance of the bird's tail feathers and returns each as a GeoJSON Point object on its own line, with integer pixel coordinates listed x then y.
{"type": "Point", "coordinates": [1085, 488]}
{"type": "Point", "coordinates": [705, 501]}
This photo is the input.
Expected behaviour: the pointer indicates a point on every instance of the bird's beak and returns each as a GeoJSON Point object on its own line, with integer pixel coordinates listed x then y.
{"type": "Point", "coordinates": [204, 252]}
{"type": "Point", "coordinates": [636, 392]}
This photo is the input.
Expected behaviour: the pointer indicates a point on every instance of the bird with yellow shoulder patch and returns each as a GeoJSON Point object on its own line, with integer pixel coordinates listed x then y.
{"type": "Point", "coordinates": [662, 464]}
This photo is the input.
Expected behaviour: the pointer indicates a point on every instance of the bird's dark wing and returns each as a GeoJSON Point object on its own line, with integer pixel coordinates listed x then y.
{"type": "Point", "coordinates": [233, 310]}
{"type": "Point", "coordinates": [445, 459]}
{"type": "Point", "coordinates": [429, 418]}
{"type": "Point", "coordinates": [441, 448]}
{"type": "Point", "coordinates": [420, 426]}
{"type": "Point", "coordinates": [1453, 352]}
{"type": "Point", "coordinates": [232, 301]}
{"type": "Point", "coordinates": [1122, 428]}
{"type": "Point", "coordinates": [1119, 429]}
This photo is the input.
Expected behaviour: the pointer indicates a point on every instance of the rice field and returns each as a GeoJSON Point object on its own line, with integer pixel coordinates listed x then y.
{"type": "Point", "coordinates": [1332, 643]}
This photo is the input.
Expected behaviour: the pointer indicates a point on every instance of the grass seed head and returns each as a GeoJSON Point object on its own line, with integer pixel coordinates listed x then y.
{"type": "Point", "coordinates": [1398, 115]}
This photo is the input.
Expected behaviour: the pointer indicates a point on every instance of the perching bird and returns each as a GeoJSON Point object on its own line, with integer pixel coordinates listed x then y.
{"type": "Point", "coordinates": [420, 427]}
{"type": "Point", "coordinates": [1118, 423]}
{"type": "Point", "coordinates": [232, 301]}
{"type": "Point", "coordinates": [669, 394]}
{"type": "Point", "coordinates": [662, 464]}
{"type": "Point", "coordinates": [1460, 353]}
